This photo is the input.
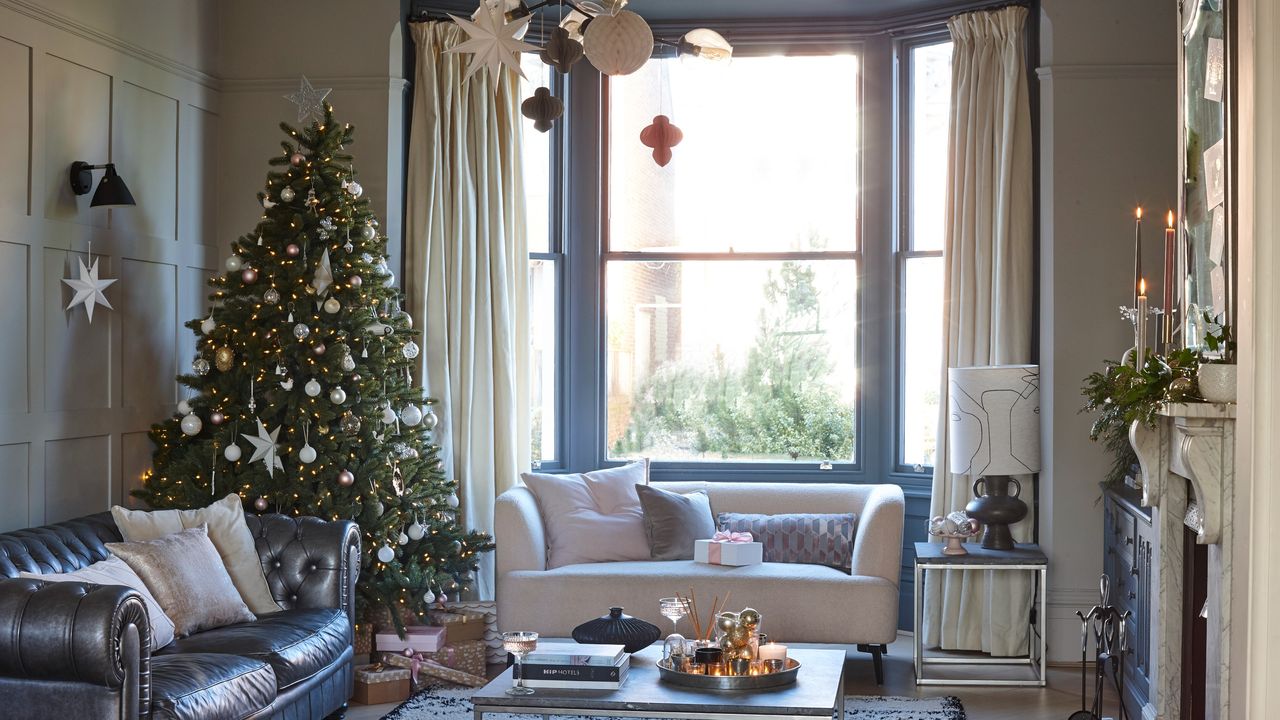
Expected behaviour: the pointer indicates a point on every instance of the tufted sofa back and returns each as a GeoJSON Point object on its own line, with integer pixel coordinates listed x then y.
{"type": "Point", "coordinates": [59, 548]}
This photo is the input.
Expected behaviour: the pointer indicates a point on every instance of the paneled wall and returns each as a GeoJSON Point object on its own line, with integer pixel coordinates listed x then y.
{"type": "Point", "coordinates": [80, 80]}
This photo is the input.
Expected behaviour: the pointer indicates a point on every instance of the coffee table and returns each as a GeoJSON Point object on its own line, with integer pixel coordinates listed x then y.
{"type": "Point", "coordinates": [817, 693]}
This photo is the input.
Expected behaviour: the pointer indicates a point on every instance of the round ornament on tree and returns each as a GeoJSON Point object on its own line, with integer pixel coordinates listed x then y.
{"type": "Point", "coordinates": [318, 349]}
{"type": "Point", "coordinates": [223, 357]}
{"type": "Point", "coordinates": [301, 330]}
{"type": "Point", "coordinates": [429, 419]}
{"type": "Point", "coordinates": [184, 407]}
{"type": "Point", "coordinates": [307, 454]}
{"type": "Point", "coordinates": [411, 415]}
{"type": "Point", "coordinates": [332, 306]}
{"type": "Point", "coordinates": [416, 532]}
{"type": "Point", "coordinates": [386, 554]}
{"type": "Point", "coordinates": [346, 478]}
{"type": "Point", "coordinates": [217, 418]}
{"type": "Point", "coordinates": [297, 159]}
{"type": "Point", "coordinates": [271, 296]}
{"type": "Point", "coordinates": [347, 363]}
{"type": "Point", "coordinates": [287, 194]}
{"type": "Point", "coordinates": [312, 389]}
{"type": "Point", "coordinates": [367, 232]}
{"type": "Point", "coordinates": [234, 263]}
{"type": "Point", "coordinates": [200, 366]}
{"type": "Point", "coordinates": [354, 189]}
{"type": "Point", "coordinates": [350, 423]}
{"type": "Point", "coordinates": [428, 597]}
{"type": "Point", "coordinates": [249, 276]}
{"type": "Point", "coordinates": [292, 250]}
{"type": "Point", "coordinates": [207, 325]}
{"type": "Point", "coordinates": [260, 504]}
{"type": "Point", "coordinates": [191, 424]}
{"type": "Point", "coordinates": [337, 396]}
{"type": "Point", "coordinates": [355, 281]}
{"type": "Point", "coordinates": [388, 415]}
{"type": "Point", "coordinates": [453, 501]}
{"type": "Point", "coordinates": [410, 350]}
{"type": "Point", "coordinates": [403, 539]}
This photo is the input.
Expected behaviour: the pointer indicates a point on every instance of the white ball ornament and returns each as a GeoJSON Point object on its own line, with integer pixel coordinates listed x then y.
{"type": "Point", "coordinates": [231, 453]}
{"type": "Point", "coordinates": [184, 407]}
{"type": "Point", "coordinates": [416, 532]}
{"type": "Point", "coordinates": [453, 501]}
{"type": "Point", "coordinates": [355, 189]}
{"type": "Point", "coordinates": [429, 419]}
{"type": "Point", "coordinates": [410, 350]}
{"type": "Point", "coordinates": [386, 554]}
{"type": "Point", "coordinates": [234, 263]}
{"type": "Point", "coordinates": [208, 325]}
{"type": "Point", "coordinates": [403, 539]}
{"type": "Point", "coordinates": [191, 424]}
{"type": "Point", "coordinates": [307, 454]}
{"type": "Point", "coordinates": [428, 597]}
{"type": "Point", "coordinates": [287, 194]}
{"type": "Point", "coordinates": [300, 331]}
{"type": "Point", "coordinates": [411, 415]}
{"type": "Point", "coordinates": [388, 415]}
{"type": "Point", "coordinates": [367, 232]}
{"type": "Point", "coordinates": [355, 281]}
{"type": "Point", "coordinates": [337, 396]}
{"type": "Point", "coordinates": [332, 306]}
{"type": "Point", "coordinates": [312, 388]}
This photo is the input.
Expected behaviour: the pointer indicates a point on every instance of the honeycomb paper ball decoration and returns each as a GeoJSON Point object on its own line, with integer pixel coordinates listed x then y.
{"type": "Point", "coordinates": [618, 44]}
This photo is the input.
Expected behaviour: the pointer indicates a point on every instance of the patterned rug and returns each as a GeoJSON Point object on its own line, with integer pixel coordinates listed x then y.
{"type": "Point", "coordinates": [454, 704]}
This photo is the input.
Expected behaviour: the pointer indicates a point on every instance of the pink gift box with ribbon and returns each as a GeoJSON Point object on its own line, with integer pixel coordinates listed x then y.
{"type": "Point", "coordinates": [728, 548]}
{"type": "Point", "coordinates": [418, 638]}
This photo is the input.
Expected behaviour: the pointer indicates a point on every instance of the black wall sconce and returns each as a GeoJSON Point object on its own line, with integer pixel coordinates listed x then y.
{"type": "Point", "coordinates": [112, 192]}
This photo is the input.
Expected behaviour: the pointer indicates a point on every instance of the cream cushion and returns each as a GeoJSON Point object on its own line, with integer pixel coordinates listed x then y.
{"type": "Point", "coordinates": [186, 576]}
{"type": "Point", "coordinates": [594, 516]}
{"type": "Point", "coordinates": [228, 532]}
{"type": "Point", "coordinates": [114, 571]}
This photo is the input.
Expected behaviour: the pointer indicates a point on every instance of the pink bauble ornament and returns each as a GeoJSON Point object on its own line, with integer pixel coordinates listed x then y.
{"type": "Point", "coordinates": [318, 348]}
{"type": "Point", "coordinates": [217, 418]}
{"type": "Point", "coordinates": [346, 478]}
{"type": "Point", "coordinates": [249, 276]}
{"type": "Point", "coordinates": [260, 504]}
{"type": "Point", "coordinates": [297, 159]}
{"type": "Point", "coordinates": [292, 250]}
{"type": "Point", "coordinates": [356, 281]}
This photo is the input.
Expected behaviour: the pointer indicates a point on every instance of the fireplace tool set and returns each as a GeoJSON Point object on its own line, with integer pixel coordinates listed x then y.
{"type": "Point", "coordinates": [1111, 646]}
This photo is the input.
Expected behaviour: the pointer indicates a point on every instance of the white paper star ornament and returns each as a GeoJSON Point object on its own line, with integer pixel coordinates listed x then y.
{"type": "Point", "coordinates": [492, 42]}
{"type": "Point", "coordinates": [310, 100]}
{"type": "Point", "coordinates": [324, 274]}
{"type": "Point", "coordinates": [265, 448]}
{"type": "Point", "coordinates": [89, 288]}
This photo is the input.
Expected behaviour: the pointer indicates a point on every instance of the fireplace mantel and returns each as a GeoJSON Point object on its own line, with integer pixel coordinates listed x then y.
{"type": "Point", "coordinates": [1191, 442]}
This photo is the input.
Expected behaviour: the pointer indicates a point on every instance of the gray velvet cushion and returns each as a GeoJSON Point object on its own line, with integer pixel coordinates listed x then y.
{"type": "Point", "coordinates": [817, 539]}
{"type": "Point", "coordinates": [673, 521]}
{"type": "Point", "coordinates": [186, 575]}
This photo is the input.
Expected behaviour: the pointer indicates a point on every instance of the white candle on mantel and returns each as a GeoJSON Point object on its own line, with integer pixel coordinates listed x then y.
{"type": "Point", "coordinates": [773, 651]}
{"type": "Point", "coordinates": [1140, 326]}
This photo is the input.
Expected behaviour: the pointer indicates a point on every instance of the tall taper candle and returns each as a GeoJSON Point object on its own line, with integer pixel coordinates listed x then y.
{"type": "Point", "coordinates": [1137, 253]}
{"type": "Point", "coordinates": [1140, 325]}
{"type": "Point", "coordinates": [1170, 261]}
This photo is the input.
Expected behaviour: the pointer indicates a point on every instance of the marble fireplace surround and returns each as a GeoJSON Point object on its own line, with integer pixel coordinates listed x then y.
{"type": "Point", "coordinates": [1196, 442]}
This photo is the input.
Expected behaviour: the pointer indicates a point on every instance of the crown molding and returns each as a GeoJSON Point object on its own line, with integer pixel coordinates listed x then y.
{"type": "Point", "coordinates": [66, 24]}
{"type": "Point", "coordinates": [359, 83]}
{"type": "Point", "coordinates": [1107, 72]}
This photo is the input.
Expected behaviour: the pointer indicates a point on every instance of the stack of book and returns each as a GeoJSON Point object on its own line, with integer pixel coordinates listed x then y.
{"type": "Point", "coordinates": [575, 666]}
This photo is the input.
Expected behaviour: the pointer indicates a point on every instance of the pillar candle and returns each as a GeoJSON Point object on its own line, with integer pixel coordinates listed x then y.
{"type": "Point", "coordinates": [773, 651]}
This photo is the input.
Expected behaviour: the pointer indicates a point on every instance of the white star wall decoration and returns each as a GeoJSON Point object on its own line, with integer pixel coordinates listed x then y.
{"type": "Point", "coordinates": [89, 288]}
{"type": "Point", "coordinates": [492, 42]}
{"type": "Point", "coordinates": [265, 448]}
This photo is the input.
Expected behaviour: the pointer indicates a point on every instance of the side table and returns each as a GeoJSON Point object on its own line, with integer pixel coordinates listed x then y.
{"type": "Point", "coordinates": [1023, 557]}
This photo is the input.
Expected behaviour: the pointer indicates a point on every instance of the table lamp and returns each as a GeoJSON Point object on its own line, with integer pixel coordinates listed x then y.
{"type": "Point", "coordinates": [994, 432]}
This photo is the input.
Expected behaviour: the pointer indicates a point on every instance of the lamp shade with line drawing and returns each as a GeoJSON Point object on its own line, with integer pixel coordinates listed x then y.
{"type": "Point", "coordinates": [994, 432]}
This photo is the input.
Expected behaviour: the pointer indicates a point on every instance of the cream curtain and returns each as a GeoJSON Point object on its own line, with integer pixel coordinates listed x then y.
{"type": "Point", "coordinates": [466, 271]}
{"type": "Point", "coordinates": [989, 285]}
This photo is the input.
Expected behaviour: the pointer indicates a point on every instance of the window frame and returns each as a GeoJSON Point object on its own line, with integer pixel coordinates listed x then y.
{"type": "Point", "coordinates": [904, 242]}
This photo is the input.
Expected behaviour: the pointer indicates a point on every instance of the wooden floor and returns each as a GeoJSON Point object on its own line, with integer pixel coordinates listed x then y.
{"type": "Point", "coordinates": [1055, 702]}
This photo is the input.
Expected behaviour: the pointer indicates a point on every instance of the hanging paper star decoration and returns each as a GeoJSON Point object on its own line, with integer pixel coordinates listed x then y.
{"type": "Point", "coordinates": [265, 448]}
{"type": "Point", "coordinates": [324, 274]}
{"type": "Point", "coordinates": [310, 100]}
{"type": "Point", "coordinates": [492, 41]}
{"type": "Point", "coordinates": [89, 288]}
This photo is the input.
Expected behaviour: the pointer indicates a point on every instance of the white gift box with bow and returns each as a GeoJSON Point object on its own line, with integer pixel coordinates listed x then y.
{"type": "Point", "coordinates": [729, 548]}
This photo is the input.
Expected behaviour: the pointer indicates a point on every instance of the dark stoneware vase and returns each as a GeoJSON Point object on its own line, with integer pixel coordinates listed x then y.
{"type": "Point", "coordinates": [633, 634]}
{"type": "Point", "coordinates": [996, 509]}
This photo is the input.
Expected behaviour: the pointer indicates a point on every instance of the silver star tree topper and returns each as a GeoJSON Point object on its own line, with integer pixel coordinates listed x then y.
{"type": "Point", "coordinates": [310, 100]}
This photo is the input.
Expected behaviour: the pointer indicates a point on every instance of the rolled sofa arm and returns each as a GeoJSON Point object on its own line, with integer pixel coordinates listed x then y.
{"type": "Point", "coordinates": [877, 549]}
{"type": "Point", "coordinates": [518, 532]}
{"type": "Point", "coordinates": [79, 633]}
{"type": "Point", "coordinates": [309, 562]}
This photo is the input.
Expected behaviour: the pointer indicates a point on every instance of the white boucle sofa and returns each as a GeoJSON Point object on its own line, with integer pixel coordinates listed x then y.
{"type": "Point", "coordinates": [800, 603]}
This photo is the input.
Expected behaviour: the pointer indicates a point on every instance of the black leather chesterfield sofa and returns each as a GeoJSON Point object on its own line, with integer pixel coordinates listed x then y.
{"type": "Point", "coordinates": [73, 651]}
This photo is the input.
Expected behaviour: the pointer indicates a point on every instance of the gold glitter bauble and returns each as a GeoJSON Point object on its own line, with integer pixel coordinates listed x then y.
{"type": "Point", "coordinates": [222, 358]}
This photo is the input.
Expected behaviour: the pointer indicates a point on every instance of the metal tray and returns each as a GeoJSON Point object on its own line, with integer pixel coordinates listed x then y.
{"type": "Point", "coordinates": [729, 682]}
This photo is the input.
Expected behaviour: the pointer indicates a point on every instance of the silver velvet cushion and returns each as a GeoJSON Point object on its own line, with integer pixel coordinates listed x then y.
{"type": "Point", "coordinates": [673, 521]}
{"type": "Point", "coordinates": [186, 576]}
{"type": "Point", "coordinates": [817, 539]}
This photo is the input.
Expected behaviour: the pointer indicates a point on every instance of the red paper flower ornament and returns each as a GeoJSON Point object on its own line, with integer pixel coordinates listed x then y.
{"type": "Point", "coordinates": [661, 135]}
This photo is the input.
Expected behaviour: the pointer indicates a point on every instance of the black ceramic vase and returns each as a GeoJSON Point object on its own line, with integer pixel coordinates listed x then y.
{"type": "Point", "coordinates": [615, 628]}
{"type": "Point", "coordinates": [996, 509]}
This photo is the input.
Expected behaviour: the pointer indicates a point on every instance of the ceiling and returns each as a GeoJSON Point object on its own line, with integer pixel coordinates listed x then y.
{"type": "Point", "coordinates": [660, 10]}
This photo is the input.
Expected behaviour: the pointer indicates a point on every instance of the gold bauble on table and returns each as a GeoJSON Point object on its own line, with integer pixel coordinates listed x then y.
{"type": "Point", "coordinates": [749, 618]}
{"type": "Point", "coordinates": [740, 653]}
{"type": "Point", "coordinates": [739, 636]}
{"type": "Point", "coordinates": [222, 358]}
{"type": "Point", "coordinates": [727, 621]}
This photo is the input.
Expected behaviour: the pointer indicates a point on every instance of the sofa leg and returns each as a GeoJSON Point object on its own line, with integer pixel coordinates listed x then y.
{"type": "Point", "coordinates": [339, 713]}
{"type": "Point", "coordinates": [877, 659]}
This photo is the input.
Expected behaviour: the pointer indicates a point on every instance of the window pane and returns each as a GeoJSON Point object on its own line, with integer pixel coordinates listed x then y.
{"type": "Point", "coordinates": [732, 360]}
{"type": "Point", "coordinates": [758, 169]}
{"type": "Point", "coordinates": [542, 359]}
{"type": "Point", "coordinates": [922, 360]}
{"type": "Point", "coordinates": [536, 158]}
{"type": "Point", "coordinates": [930, 105]}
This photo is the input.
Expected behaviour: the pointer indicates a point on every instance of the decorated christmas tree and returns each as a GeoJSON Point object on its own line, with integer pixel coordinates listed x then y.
{"type": "Point", "coordinates": [304, 402]}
